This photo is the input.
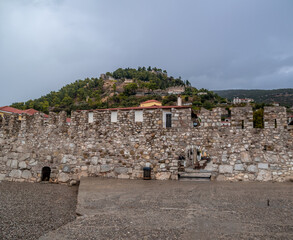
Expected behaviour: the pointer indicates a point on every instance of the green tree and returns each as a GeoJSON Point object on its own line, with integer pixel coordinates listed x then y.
{"type": "Point", "coordinates": [208, 105]}
{"type": "Point", "coordinates": [169, 100]}
{"type": "Point", "coordinates": [152, 86]}
{"type": "Point", "coordinates": [258, 118]}
{"type": "Point", "coordinates": [45, 107]}
{"type": "Point", "coordinates": [66, 101]}
{"type": "Point", "coordinates": [130, 89]}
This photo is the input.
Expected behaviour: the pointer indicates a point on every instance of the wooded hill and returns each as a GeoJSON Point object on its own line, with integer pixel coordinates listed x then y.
{"type": "Point", "coordinates": [122, 88]}
{"type": "Point", "coordinates": [282, 96]}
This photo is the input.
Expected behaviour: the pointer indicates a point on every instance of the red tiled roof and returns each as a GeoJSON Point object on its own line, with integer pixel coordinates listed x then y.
{"type": "Point", "coordinates": [150, 101]}
{"type": "Point", "coordinates": [30, 111]}
{"type": "Point", "coordinates": [135, 108]}
{"type": "Point", "coordinates": [11, 109]}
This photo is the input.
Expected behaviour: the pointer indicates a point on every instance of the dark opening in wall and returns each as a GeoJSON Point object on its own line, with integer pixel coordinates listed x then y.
{"type": "Point", "coordinates": [168, 120]}
{"type": "Point", "coordinates": [194, 119]}
{"type": "Point", "coordinates": [242, 124]}
{"type": "Point", "coordinates": [258, 118]}
{"type": "Point", "coordinates": [275, 123]}
{"type": "Point", "coordinates": [46, 172]}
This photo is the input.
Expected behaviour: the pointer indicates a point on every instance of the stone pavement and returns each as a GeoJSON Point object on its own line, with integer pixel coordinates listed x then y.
{"type": "Point", "coordinates": [137, 209]}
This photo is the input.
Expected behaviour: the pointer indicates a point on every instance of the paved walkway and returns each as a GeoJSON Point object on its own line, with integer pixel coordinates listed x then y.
{"type": "Point", "coordinates": [137, 209]}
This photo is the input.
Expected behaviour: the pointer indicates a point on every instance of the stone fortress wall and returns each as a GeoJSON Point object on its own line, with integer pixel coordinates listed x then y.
{"type": "Point", "coordinates": [93, 145]}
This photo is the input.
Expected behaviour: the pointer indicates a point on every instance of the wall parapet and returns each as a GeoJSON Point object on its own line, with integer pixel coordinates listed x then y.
{"type": "Point", "coordinates": [119, 144]}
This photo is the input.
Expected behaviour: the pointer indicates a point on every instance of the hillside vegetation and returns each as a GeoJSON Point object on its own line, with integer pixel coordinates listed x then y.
{"type": "Point", "coordinates": [282, 96]}
{"type": "Point", "coordinates": [122, 88]}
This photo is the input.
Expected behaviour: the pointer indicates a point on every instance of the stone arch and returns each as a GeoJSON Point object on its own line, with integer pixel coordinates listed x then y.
{"type": "Point", "coordinates": [46, 172]}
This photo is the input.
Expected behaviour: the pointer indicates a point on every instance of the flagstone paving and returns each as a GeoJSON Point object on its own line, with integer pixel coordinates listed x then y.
{"type": "Point", "coordinates": [137, 209]}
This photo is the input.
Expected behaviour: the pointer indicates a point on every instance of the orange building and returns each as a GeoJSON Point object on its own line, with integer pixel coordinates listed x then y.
{"type": "Point", "coordinates": [150, 103]}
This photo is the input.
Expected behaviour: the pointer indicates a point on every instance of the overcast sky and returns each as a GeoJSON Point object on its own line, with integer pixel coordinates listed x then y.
{"type": "Point", "coordinates": [215, 44]}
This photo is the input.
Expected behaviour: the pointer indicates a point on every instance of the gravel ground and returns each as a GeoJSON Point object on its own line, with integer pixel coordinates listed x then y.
{"type": "Point", "coordinates": [29, 210]}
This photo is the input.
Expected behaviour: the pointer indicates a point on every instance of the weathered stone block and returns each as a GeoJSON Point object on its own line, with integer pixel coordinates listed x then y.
{"type": "Point", "coordinates": [163, 175]}
{"type": "Point", "coordinates": [221, 178]}
{"type": "Point", "coordinates": [105, 168]}
{"type": "Point", "coordinates": [264, 175]}
{"type": "Point", "coordinates": [22, 165]}
{"type": "Point", "coordinates": [252, 168]}
{"type": "Point", "coordinates": [66, 169]}
{"type": "Point", "coordinates": [94, 160]}
{"type": "Point", "coordinates": [63, 177]}
{"type": "Point", "coordinates": [26, 174]}
{"type": "Point", "coordinates": [225, 169]}
{"type": "Point", "coordinates": [239, 167]}
{"type": "Point", "coordinates": [15, 173]}
{"type": "Point", "coordinates": [84, 168]}
{"type": "Point", "coordinates": [64, 159]}
{"type": "Point", "coordinates": [123, 176]}
{"type": "Point", "coordinates": [244, 156]}
{"type": "Point", "coordinates": [24, 156]}
{"type": "Point", "coordinates": [163, 165]}
{"type": "Point", "coordinates": [33, 162]}
{"type": "Point", "coordinates": [8, 163]}
{"type": "Point", "coordinates": [14, 163]}
{"type": "Point", "coordinates": [121, 170]}
{"type": "Point", "coordinates": [263, 165]}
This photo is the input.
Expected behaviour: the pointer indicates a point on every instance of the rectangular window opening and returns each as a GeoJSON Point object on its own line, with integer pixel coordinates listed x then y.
{"type": "Point", "coordinates": [91, 117]}
{"type": "Point", "coordinates": [275, 123]}
{"type": "Point", "coordinates": [168, 120]}
{"type": "Point", "coordinates": [242, 124]}
{"type": "Point", "coordinates": [138, 116]}
{"type": "Point", "coordinates": [114, 116]}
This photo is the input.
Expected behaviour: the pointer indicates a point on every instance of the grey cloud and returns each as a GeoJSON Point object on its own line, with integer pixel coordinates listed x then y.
{"type": "Point", "coordinates": [215, 44]}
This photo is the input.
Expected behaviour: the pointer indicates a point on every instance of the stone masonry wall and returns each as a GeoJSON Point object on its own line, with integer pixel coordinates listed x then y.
{"type": "Point", "coordinates": [121, 149]}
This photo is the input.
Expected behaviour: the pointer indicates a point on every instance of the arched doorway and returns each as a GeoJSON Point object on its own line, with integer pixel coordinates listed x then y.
{"type": "Point", "coordinates": [46, 172]}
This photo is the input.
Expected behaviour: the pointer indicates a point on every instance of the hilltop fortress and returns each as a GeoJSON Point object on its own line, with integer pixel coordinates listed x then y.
{"type": "Point", "coordinates": [120, 142]}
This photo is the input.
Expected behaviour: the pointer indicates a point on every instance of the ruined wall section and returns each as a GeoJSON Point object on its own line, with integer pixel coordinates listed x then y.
{"type": "Point", "coordinates": [121, 149]}
{"type": "Point", "coordinates": [242, 118]}
{"type": "Point", "coordinates": [275, 117]}
{"type": "Point", "coordinates": [33, 144]}
{"type": "Point", "coordinates": [249, 154]}
{"type": "Point", "coordinates": [211, 119]}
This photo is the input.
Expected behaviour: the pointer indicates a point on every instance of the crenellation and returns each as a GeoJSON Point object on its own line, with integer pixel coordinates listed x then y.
{"type": "Point", "coordinates": [275, 117]}
{"type": "Point", "coordinates": [210, 119]}
{"type": "Point", "coordinates": [242, 117]}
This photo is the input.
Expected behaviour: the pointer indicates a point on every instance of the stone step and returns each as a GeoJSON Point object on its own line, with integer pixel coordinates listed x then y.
{"type": "Point", "coordinates": [195, 175]}
{"type": "Point", "coordinates": [191, 170]}
{"type": "Point", "coordinates": [194, 179]}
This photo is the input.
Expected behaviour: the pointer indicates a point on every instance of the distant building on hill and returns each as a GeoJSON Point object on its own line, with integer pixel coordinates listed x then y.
{"type": "Point", "coordinates": [106, 77]}
{"type": "Point", "coordinates": [238, 100]}
{"type": "Point", "coordinates": [150, 103]}
{"type": "Point", "coordinates": [202, 93]}
{"type": "Point", "coordinates": [176, 90]}
{"type": "Point", "coordinates": [128, 80]}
